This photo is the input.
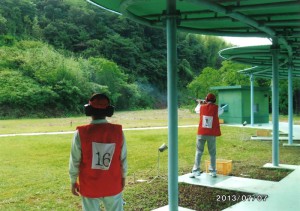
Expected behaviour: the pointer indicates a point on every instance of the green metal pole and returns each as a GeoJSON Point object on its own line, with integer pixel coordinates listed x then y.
{"type": "Point", "coordinates": [252, 98]}
{"type": "Point", "coordinates": [290, 112]}
{"type": "Point", "coordinates": [275, 102]}
{"type": "Point", "coordinates": [171, 22]}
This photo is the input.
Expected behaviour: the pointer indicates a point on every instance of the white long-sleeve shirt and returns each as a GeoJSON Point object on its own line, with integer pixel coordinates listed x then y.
{"type": "Point", "coordinates": [75, 155]}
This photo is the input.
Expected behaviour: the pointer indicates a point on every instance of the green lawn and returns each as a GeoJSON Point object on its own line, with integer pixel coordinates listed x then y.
{"type": "Point", "coordinates": [129, 119]}
{"type": "Point", "coordinates": [34, 169]}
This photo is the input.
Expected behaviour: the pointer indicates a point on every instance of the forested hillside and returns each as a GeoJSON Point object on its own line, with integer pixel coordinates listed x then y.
{"type": "Point", "coordinates": [55, 53]}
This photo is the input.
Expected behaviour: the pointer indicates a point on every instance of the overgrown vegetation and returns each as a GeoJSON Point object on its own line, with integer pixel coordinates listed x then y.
{"type": "Point", "coordinates": [61, 52]}
{"type": "Point", "coordinates": [54, 54]}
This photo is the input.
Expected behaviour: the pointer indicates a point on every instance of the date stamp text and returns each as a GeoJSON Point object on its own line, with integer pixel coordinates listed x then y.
{"type": "Point", "coordinates": [246, 197]}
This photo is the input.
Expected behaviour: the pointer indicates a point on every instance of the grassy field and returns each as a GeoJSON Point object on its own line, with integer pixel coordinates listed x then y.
{"type": "Point", "coordinates": [34, 169]}
{"type": "Point", "coordinates": [129, 119]}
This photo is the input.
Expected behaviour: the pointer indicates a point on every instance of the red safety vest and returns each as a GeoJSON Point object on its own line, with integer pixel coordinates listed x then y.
{"type": "Point", "coordinates": [100, 170]}
{"type": "Point", "coordinates": [209, 120]}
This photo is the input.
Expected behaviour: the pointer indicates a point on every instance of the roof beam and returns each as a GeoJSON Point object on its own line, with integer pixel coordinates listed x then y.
{"type": "Point", "coordinates": [245, 19]}
{"type": "Point", "coordinates": [263, 6]}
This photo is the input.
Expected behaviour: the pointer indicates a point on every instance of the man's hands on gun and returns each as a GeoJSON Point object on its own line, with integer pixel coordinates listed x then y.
{"type": "Point", "coordinates": [200, 101]}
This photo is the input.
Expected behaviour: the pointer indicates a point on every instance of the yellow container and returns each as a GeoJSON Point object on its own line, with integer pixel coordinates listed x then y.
{"type": "Point", "coordinates": [223, 166]}
{"type": "Point", "coordinates": [263, 133]}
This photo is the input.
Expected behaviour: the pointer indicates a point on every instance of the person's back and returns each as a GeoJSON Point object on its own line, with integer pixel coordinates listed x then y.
{"type": "Point", "coordinates": [209, 120]}
{"type": "Point", "coordinates": [208, 129]}
{"type": "Point", "coordinates": [100, 174]}
{"type": "Point", "coordinates": [98, 160]}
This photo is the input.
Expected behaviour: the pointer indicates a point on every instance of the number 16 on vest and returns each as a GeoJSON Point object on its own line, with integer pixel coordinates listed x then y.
{"type": "Point", "coordinates": [102, 155]}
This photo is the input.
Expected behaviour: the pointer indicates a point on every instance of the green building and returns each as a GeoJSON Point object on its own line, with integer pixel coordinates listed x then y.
{"type": "Point", "coordinates": [238, 99]}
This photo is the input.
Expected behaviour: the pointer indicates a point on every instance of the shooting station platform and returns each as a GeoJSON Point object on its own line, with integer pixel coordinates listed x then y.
{"type": "Point", "coordinates": [282, 195]}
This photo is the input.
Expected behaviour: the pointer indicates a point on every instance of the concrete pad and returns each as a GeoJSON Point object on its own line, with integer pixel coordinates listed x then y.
{"type": "Point", "coordinates": [291, 145]}
{"type": "Point", "coordinates": [273, 203]}
{"type": "Point", "coordinates": [166, 208]}
{"type": "Point", "coordinates": [270, 196]}
{"type": "Point", "coordinates": [283, 127]}
{"type": "Point", "coordinates": [247, 185]}
{"type": "Point", "coordinates": [280, 166]}
{"type": "Point", "coordinates": [203, 180]}
{"type": "Point", "coordinates": [269, 138]}
{"type": "Point", "coordinates": [283, 196]}
{"type": "Point", "coordinates": [229, 183]}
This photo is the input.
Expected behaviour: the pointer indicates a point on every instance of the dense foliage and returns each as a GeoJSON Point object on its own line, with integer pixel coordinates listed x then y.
{"type": "Point", "coordinates": [55, 53]}
{"type": "Point", "coordinates": [37, 79]}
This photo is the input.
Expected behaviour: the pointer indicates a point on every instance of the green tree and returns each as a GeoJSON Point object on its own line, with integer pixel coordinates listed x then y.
{"type": "Point", "coordinates": [212, 47]}
{"type": "Point", "coordinates": [201, 85]}
{"type": "Point", "coordinates": [230, 75]}
{"type": "Point", "coordinates": [107, 73]}
{"type": "Point", "coordinates": [191, 48]}
{"type": "Point", "coordinates": [3, 29]}
{"type": "Point", "coordinates": [22, 96]}
{"type": "Point", "coordinates": [185, 73]}
{"type": "Point", "coordinates": [17, 17]}
{"type": "Point", "coordinates": [45, 67]}
{"type": "Point", "coordinates": [227, 75]}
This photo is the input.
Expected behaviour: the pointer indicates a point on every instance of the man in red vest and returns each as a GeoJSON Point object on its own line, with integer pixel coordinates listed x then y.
{"type": "Point", "coordinates": [98, 158]}
{"type": "Point", "coordinates": [208, 129]}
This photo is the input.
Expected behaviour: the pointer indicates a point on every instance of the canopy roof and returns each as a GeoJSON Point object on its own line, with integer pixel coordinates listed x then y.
{"type": "Point", "coordinates": [266, 72]}
{"type": "Point", "coordinates": [261, 58]}
{"type": "Point", "coordinates": [259, 18]}
{"type": "Point", "coordinates": [242, 18]}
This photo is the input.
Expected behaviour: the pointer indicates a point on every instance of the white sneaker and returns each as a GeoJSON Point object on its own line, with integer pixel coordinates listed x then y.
{"type": "Point", "coordinates": [195, 174]}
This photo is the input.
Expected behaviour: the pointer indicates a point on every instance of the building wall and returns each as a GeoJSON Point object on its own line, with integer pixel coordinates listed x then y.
{"type": "Point", "coordinates": [238, 99]}
{"type": "Point", "coordinates": [233, 111]}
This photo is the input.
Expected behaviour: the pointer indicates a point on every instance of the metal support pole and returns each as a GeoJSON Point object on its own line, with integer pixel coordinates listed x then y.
{"type": "Point", "coordinates": [252, 98]}
{"type": "Point", "coordinates": [171, 21]}
{"type": "Point", "coordinates": [290, 92]}
{"type": "Point", "coordinates": [275, 102]}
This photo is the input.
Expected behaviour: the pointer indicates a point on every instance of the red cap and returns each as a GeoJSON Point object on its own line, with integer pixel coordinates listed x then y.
{"type": "Point", "coordinates": [210, 97]}
{"type": "Point", "coordinates": [99, 103]}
